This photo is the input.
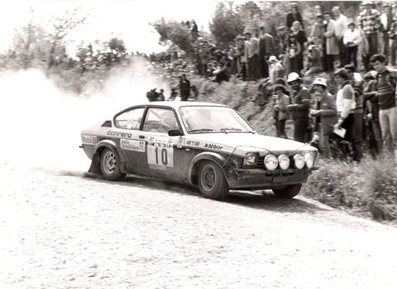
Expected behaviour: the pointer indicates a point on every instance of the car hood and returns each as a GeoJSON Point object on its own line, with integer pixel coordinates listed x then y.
{"type": "Point", "coordinates": [241, 143]}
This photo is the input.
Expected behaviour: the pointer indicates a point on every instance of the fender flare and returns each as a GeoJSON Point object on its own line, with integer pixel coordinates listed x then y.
{"type": "Point", "coordinates": [210, 156]}
{"type": "Point", "coordinates": [95, 167]}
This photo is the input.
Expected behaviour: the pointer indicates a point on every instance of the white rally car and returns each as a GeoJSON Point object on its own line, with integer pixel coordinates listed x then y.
{"type": "Point", "coordinates": [203, 144]}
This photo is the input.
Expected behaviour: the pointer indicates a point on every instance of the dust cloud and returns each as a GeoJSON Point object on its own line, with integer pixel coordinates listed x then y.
{"type": "Point", "coordinates": [41, 124]}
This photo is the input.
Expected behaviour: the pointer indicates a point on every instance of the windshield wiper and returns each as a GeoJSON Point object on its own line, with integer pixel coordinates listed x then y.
{"type": "Point", "coordinates": [201, 130]}
{"type": "Point", "coordinates": [230, 129]}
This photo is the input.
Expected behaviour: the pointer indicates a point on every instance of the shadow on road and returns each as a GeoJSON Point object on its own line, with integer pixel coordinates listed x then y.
{"type": "Point", "coordinates": [263, 200]}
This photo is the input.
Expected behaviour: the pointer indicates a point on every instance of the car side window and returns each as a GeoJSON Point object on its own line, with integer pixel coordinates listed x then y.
{"type": "Point", "coordinates": [130, 119]}
{"type": "Point", "coordinates": [160, 120]}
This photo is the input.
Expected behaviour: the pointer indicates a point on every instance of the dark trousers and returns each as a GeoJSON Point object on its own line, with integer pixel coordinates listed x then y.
{"type": "Point", "coordinates": [351, 55]}
{"type": "Point", "coordinates": [328, 62]}
{"type": "Point", "coordinates": [263, 67]}
{"type": "Point", "coordinates": [372, 42]}
{"type": "Point", "coordinates": [342, 53]}
{"type": "Point", "coordinates": [300, 129]}
{"type": "Point", "coordinates": [253, 66]}
{"type": "Point", "coordinates": [281, 128]}
{"type": "Point", "coordinates": [354, 133]}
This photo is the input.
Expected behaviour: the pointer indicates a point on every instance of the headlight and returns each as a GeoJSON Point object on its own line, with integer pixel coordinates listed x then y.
{"type": "Point", "coordinates": [283, 160]}
{"type": "Point", "coordinates": [250, 159]}
{"type": "Point", "coordinates": [310, 159]}
{"type": "Point", "coordinates": [271, 162]}
{"type": "Point", "coordinates": [299, 161]}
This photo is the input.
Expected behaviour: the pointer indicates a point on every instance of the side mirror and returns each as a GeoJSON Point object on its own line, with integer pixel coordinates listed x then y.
{"type": "Point", "coordinates": [175, 132]}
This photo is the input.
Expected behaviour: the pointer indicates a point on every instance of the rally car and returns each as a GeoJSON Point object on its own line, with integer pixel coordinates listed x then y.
{"type": "Point", "coordinates": [207, 145]}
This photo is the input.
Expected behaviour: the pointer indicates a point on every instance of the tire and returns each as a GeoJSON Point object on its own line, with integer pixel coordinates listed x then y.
{"type": "Point", "coordinates": [211, 181]}
{"type": "Point", "coordinates": [110, 165]}
{"type": "Point", "coordinates": [287, 192]}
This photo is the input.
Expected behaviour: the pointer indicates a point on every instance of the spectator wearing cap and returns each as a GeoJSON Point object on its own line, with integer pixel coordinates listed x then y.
{"type": "Point", "coordinates": [340, 24]}
{"type": "Point", "coordinates": [331, 43]}
{"type": "Point", "coordinates": [386, 89]}
{"type": "Point", "coordinates": [371, 112]}
{"type": "Point", "coordinates": [280, 107]}
{"type": "Point", "coordinates": [323, 111]}
{"type": "Point", "coordinates": [266, 48]}
{"type": "Point", "coordinates": [276, 68]}
{"type": "Point", "coordinates": [294, 15]}
{"type": "Point", "coordinates": [369, 24]}
{"type": "Point", "coordinates": [345, 105]}
{"type": "Point", "coordinates": [351, 40]}
{"type": "Point", "coordinates": [299, 109]}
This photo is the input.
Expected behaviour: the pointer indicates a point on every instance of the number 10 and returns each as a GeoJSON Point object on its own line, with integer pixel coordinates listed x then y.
{"type": "Point", "coordinates": [164, 156]}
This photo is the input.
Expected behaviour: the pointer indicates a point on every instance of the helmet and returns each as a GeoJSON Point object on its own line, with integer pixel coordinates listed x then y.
{"type": "Point", "coordinates": [320, 81]}
{"type": "Point", "coordinates": [293, 76]}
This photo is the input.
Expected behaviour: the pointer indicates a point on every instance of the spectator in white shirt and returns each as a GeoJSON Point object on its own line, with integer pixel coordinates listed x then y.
{"type": "Point", "coordinates": [351, 40]}
{"type": "Point", "coordinates": [340, 25]}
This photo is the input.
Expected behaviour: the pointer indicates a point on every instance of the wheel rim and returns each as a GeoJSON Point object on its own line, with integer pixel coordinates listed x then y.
{"type": "Point", "coordinates": [208, 178]}
{"type": "Point", "coordinates": [109, 162]}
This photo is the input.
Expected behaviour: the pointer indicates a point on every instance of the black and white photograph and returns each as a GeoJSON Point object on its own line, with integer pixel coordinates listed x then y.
{"type": "Point", "coordinates": [207, 144]}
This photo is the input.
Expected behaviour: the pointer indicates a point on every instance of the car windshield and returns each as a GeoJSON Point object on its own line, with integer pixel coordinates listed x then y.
{"type": "Point", "coordinates": [209, 119]}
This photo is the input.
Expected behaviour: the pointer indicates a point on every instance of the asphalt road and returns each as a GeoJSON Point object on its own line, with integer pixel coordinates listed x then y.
{"type": "Point", "coordinates": [65, 230]}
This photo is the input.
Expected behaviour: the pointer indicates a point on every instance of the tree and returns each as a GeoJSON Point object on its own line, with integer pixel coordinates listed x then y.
{"type": "Point", "coordinates": [226, 24]}
{"type": "Point", "coordinates": [62, 27]}
{"type": "Point", "coordinates": [177, 33]}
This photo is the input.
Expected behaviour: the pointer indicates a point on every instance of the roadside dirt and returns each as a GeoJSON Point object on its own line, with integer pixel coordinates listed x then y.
{"type": "Point", "coordinates": [61, 229]}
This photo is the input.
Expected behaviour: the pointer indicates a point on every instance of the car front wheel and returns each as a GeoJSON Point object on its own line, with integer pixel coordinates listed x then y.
{"type": "Point", "coordinates": [211, 181]}
{"type": "Point", "coordinates": [288, 192]}
{"type": "Point", "coordinates": [110, 165]}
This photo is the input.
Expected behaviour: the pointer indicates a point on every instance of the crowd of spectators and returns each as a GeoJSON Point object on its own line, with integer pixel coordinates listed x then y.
{"type": "Point", "coordinates": [352, 52]}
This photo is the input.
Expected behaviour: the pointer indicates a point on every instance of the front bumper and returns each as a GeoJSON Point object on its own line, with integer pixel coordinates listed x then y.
{"type": "Point", "coordinates": [263, 179]}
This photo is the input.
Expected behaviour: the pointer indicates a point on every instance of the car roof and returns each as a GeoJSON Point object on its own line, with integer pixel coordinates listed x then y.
{"type": "Point", "coordinates": [178, 104]}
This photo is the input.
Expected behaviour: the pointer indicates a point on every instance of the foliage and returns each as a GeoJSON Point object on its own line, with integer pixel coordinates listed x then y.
{"type": "Point", "coordinates": [177, 33]}
{"type": "Point", "coordinates": [226, 24]}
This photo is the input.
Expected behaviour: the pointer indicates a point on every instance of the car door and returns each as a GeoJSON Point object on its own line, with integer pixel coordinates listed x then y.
{"type": "Point", "coordinates": [127, 124]}
{"type": "Point", "coordinates": [160, 150]}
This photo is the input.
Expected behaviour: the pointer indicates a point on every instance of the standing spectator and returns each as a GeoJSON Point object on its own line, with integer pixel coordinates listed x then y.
{"type": "Point", "coordinates": [324, 112]}
{"type": "Point", "coordinates": [371, 111]}
{"type": "Point", "coordinates": [386, 88]}
{"type": "Point", "coordinates": [246, 62]}
{"type": "Point", "coordinates": [296, 42]}
{"type": "Point", "coordinates": [194, 30]}
{"type": "Point", "coordinates": [253, 55]}
{"type": "Point", "coordinates": [340, 25]}
{"type": "Point", "coordinates": [184, 87]}
{"type": "Point", "coordinates": [299, 109]}
{"type": "Point", "coordinates": [393, 38]}
{"type": "Point", "coordinates": [331, 43]}
{"type": "Point", "coordinates": [276, 68]}
{"type": "Point", "coordinates": [358, 110]}
{"type": "Point", "coordinates": [369, 23]}
{"type": "Point", "coordinates": [344, 105]}
{"type": "Point", "coordinates": [173, 94]}
{"type": "Point", "coordinates": [281, 39]}
{"type": "Point", "coordinates": [240, 57]}
{"type": "Point", "coordinates": [294, 15]}
{"type": "Point", "coordinates": [317, 33]}
{"type": "Point", "coordinates": [294, 54]}
{"type": "Point", "coordinates": [282, 100]}
{"type": "Point", "coordinates": [351, 40]}
{"type": "Point", "coordinates": [266, 48]}
{"type": "Point", "coordinates": [386, 19]}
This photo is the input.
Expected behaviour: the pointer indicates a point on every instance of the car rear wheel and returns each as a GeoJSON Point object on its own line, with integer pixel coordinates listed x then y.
{"type": "Point", "coordinates": [211, 181]}
{"type": "Point", "coordinates": [110, 165]}
{"type": "Point", "coordinates": [288, 192]}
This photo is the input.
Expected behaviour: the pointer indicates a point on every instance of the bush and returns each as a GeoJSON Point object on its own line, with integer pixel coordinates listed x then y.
{"type": "Point", "coordinates": [368, 186]}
